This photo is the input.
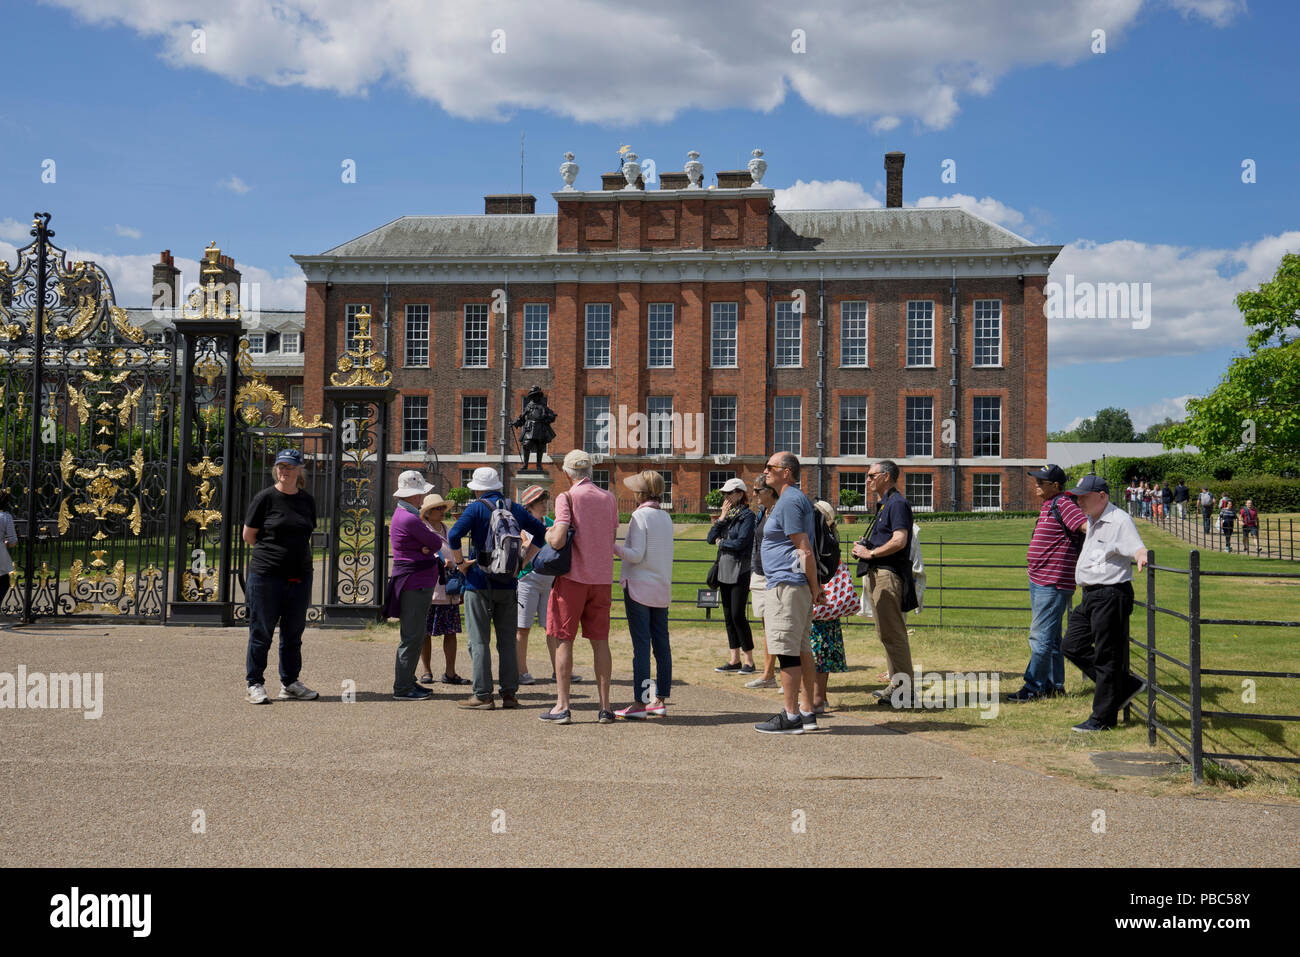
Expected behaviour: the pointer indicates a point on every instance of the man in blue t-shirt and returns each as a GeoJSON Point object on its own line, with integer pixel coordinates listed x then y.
{"type": "Point", "coordinates": [885, 564]}
{"type": "Point", "coordinates": [792, 589]}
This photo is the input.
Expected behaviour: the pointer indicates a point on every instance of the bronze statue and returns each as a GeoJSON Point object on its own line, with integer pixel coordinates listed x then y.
{"type": "Point", "coordinates": [536, 421]}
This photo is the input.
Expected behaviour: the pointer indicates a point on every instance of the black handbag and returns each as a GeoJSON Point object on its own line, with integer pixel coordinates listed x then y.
{"type": "Point", "coordinates": [557, 561]}
{"type": "Point", "coordinates": [711, 579]}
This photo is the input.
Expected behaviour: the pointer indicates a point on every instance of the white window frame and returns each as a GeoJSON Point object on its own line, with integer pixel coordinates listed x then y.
{"type": "Point", "coordinates": [724, 314]}
{"type": "Point", "coordinates": [714, 447]}
{"type": "Point", "coordinates": [592, 430]}
{"type": "Point", "coordinates": [919, 317]}
{"type": "Point", "coordinates": [466, 421]}
{"type": "Point", "coordinates": [907, 427]}
{"type": "Point", "coordinates": [865, 319]}
{"type": "Point", "coordinates": [411, 322]}
{"type": "Point", "coordinates": [608, 338]}
{"type": "Point", "coordinates": [777, 423]}
{"type": "Point", "coordinates": [865, 413]}
{"type": "Point", "coordinates": [351, 325]}
{"type": "Point", "coordinates": [785, 315]}
{"type": "Point", "coordinates": [979, 479]}
{"type": "Point", "coordinates": [257, 343]}
{"type": "Point", "coordinates": [976, 422]}
{"type": "Point", "coordinates": [297, 343]}
{"type": "Point", "coordinates": [659, 424]}
{"type": "Point", "coordinates": [537, 313]}
{"type": "Point", "coordinates": [991, 321]}
{"type": "Point", "coordinates": [486, 320]}
{"type": "Point", "coordinates": [407, 402]}
{"type": "Point", "coordinates": [656, 313]}
{"type": "Point", "coordinates": [912, 478]}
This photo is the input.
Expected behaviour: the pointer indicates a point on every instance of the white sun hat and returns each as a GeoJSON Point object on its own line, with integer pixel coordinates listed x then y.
{"type": "Point", "coordinates": [485, 480]}
{"type": "Point", "coordinates": [410, 483]}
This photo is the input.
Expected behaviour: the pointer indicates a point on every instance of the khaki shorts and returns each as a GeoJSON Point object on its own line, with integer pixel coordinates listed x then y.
{"type": "Point", "coordinates": [757, 588]}
{"type": "Point", "coordinates": [787, 619]}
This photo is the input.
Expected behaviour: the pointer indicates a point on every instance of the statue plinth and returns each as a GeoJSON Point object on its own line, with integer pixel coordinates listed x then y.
{"type": "Point", "coordinates": [524, 479]}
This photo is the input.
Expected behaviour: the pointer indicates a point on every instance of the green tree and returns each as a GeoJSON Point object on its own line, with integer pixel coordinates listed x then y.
{"type": "Point", "coordinates": [1256, 405]}
{"type": "Point", "coordinates": [1154, 433]}
{"type": "Point", "coordinates": [1108, 425]}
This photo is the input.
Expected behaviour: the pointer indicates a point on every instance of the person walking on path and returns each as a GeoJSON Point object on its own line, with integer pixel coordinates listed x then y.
{"type": "Point", "coordinates": [444, 611]}
{"type": "Point", "coordinates": [491, 601]}
{"type": "Point", "coordinates": [1166, 501]}
{"type": "Point", "coordinates": [884, 561]}
{"type": "Point", "coordinates": [412, 577]}
{"type": "Point", "coordinates": [279, 525]}
{"type": "Point", "coordinates": [1053, 555]}
{"type": "Point", "coordinates": [733, 532]}
{"type": "Point", "coordinates": [582, 597]}
{"type": "Point", "coordinates": [647, 581]}
{"type": "Point", "coordinates": [1227, 521]}
{"type": "Point", "coordinates": [1181, 495]}
{"type": "Point", "coordinates": [790, 567]}
{"type": "Point", "coordinates": [8, 539]}
{"type": "Point", "coordinates": [1206, 501]}
{"type": "Point", "coordinates": [1249, 525]}
{"type": "Point", "coordinates": [827, 637]}
{"type": "Point", "coordinates": [1096, 639]}
{"type": "Point", "coordinates": [765, 498]}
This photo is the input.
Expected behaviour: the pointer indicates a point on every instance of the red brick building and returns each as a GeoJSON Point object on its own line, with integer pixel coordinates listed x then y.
{"type": "Point", "coordinates": [847, 336]}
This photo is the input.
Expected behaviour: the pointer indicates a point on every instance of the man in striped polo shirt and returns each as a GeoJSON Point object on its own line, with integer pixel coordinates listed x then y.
{"type": "Point", "coordinates": [1053, 554]}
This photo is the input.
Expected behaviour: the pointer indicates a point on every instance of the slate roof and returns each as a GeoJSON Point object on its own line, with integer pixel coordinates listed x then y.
{"type": "Point", "coordinates": [812, 230]}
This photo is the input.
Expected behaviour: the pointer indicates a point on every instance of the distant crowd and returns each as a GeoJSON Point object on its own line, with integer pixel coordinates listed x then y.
{"type": "Point", "coordinates": [1155, 501]}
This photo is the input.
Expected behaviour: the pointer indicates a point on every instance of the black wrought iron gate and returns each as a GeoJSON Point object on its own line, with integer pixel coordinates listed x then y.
{"type": "Point", "coordinates": [87, 441]}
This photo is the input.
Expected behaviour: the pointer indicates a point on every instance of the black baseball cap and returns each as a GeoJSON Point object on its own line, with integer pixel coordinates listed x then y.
{"type": "Point", "coordinates": [1089, 483]}
{"type": "Point", "coordinates": [1050, 473]}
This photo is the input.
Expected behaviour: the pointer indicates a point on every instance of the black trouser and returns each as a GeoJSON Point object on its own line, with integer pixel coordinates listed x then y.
{"type": "Point", "coordinates": [1096, 639]}
{"type": "Point", "coordinates": [735, 598]}
{"type": "Point", "coordinates": [1205, 517]}
{"type": "Point", "coordinates": [4, 590]}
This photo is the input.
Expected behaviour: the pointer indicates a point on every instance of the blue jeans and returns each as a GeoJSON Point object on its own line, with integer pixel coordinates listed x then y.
{"type": "Point", "coordinates": [649, 627]}
{"type": "Point", "coordinates": [1046, 663]}
{"type": "Point", "coordinates": [273, 601]}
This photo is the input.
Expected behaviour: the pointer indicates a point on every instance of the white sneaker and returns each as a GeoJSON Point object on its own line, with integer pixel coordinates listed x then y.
{"type": "Point", "coordinates": [257, 695]}
{"type": "Point", "coordinates": [298, 691]}
{"type": "Point", "coordinates": [526, 679]}
{"type": "Point", "coordinates": [761, 682]}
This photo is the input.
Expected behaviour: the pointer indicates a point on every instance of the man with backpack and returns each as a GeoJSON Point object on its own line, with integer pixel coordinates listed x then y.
{"type": "Point", "coordinates": [1053, 555]}
{"type": "Point", "coordinates": [885, 562]}
{"type": "Point", "coordinates": [493, 524]}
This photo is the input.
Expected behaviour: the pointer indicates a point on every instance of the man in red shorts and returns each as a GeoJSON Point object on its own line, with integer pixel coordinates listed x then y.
{"type": "Point", "coordinates": [582, 597]}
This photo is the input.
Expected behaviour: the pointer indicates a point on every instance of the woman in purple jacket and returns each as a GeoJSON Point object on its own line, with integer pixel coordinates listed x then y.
{"type": "Point", "coordinates": [412, 578]}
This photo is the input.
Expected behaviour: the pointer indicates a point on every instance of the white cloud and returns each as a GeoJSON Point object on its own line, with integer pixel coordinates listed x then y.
{"type": "Point", "coordinates": [235, 185]}
{"type": "Point", "coordinates": [874, 60]}
{"type": "Point", "coordinates": [1192, 307]}
{"type": "Point", "coordinates": [988, 207]}
{"type": "Point", "coordinates": [825, 194]}
{"type": "Point", "coordinates": [15, 232]}
{"type": "Point", "coordinates": [1218, 12]}
{"type": "Point", "coordinates": [127, 231]}
{"type": "Point", "coordinates": [132, 278]}
{"type": "Point", "coordinates": [1145, 416]}
{"type": "Point", "coordinates": [885, 124]}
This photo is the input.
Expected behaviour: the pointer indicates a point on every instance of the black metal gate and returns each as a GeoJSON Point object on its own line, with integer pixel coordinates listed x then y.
{"type": "Point", "coordinates": [87, 448]}
{"type": "Point", "coordinates": [256, 452]}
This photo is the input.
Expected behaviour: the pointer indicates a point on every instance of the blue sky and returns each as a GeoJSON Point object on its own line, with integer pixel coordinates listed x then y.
{"type": "Point", "coordinates": [1131, 158]}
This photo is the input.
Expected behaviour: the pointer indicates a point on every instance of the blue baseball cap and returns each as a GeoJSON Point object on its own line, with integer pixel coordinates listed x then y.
{"type": "Point", "coordinates": [289, 457]}
{"type": "Point", "coordinates": [1090, 483]}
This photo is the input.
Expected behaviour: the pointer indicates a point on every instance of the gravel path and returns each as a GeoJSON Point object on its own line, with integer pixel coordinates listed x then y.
{"type": "Point", "coordinates": [379, 781]}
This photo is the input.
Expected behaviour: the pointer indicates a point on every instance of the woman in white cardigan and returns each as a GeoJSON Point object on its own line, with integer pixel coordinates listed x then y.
{"type": "Point", "coordinates": [647, 554]}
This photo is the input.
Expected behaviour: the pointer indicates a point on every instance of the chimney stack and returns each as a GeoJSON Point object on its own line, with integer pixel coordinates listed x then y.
{"type": "Point", "coordinates": [165, 278]}
{"type": "Point", "coordinates": [499, 203]}
{"type": "Point", "coordinates": [894, 179]}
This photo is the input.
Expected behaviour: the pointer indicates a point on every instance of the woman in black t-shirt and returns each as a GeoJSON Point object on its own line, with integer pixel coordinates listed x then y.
{"type": "Point", "coordinates": [279, 526]}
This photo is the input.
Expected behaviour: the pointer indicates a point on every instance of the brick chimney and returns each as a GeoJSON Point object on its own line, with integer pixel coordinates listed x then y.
{"type": "Point", "coordinates": [609, 181]}
{"type": "Point", "coordinates": [894, 179]}
{"type": "Point", "coordinates": [165, 278]}
{"type": "Point", "coordinates": [735, 179]}
{"type": "Point", "coordinates": [499, 203]}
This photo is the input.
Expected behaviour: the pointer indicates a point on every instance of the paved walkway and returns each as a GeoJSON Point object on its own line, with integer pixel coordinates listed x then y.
{"type": "Point", "coordinates": [386, 782]}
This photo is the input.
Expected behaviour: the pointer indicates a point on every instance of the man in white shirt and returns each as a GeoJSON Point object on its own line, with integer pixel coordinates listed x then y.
{"type": "Point", "coordinates": [1097, 636]}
